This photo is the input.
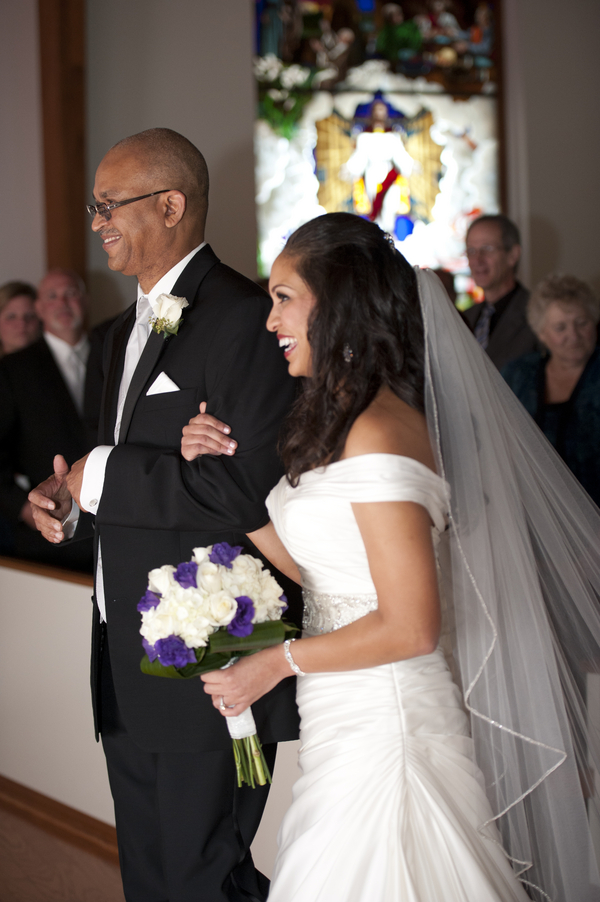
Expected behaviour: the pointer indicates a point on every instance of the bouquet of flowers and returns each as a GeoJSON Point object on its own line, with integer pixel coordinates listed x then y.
{"type": "Point", "coordinates": [203, 615]}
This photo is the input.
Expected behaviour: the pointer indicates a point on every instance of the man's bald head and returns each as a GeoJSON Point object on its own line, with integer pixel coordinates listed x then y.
{"type": "Point", "coordinates": [167, 157]}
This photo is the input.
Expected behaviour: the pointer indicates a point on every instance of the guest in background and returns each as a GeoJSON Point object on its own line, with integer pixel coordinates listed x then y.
{"type": "Point", "coordinates": [19, 327]}
{"type": "Point", "coordinates": [499, 323]}
{"type": "Point", "coordinates": [41, 407]}
{"type": "Point", "coordinates": [19, 323]}
{"type": "Point", "coordinates": [560, 386]}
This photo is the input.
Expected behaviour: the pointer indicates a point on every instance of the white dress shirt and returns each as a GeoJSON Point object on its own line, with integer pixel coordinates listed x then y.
{"type": "Point", "coordinates": [95, 467]}
{"type": "Point", "coordinates": [71, 361]}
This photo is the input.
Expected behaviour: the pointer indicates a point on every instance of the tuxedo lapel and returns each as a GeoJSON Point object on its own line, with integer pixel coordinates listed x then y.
{"type": "Point", "coordinates": [186, 287]}
{"type": "Point", "coordinates": [116, 361]}
{"type": "Point", "coordinates": [146, 364]}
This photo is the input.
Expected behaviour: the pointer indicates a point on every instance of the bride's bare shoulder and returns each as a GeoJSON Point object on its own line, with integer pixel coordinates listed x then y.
{"type": "Point", "coordinates": [390, 426]}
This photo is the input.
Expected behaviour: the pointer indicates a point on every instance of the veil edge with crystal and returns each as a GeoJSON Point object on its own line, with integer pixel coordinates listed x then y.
{"type": "Point", "coordinates": [522, 560]}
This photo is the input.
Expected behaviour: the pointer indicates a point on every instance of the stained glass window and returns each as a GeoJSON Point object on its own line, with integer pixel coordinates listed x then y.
{"type": "Point", "coordinates": [387, 110]}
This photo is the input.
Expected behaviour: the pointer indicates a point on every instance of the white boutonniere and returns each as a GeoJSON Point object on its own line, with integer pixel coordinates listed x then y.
{"type": "Point", "coordinates": [167, 314]}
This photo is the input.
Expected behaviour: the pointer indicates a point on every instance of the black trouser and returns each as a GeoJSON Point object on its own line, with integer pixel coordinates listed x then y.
{"type": "Point", "coordinates": [184, 828]}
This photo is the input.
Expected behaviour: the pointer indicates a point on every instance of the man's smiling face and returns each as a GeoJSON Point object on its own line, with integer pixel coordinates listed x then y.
{"type": "Point", "coordinates": [135, 235]}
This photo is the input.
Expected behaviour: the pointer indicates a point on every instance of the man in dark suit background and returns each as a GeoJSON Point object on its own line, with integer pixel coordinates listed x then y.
{"type": "Point", "coordinates": [184, 829]}
{"type": "Point", "coordinates": [41, 405]}
{"type": "Point", "coordinates": [499, 323]}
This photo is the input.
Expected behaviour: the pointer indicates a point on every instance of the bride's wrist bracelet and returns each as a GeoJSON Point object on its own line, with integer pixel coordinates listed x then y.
{"type": "Point", "coordinates": [289, 659]}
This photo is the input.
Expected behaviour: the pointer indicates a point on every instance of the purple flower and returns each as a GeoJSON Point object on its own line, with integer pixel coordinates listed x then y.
{"type": "Point", "coordinates": [242, 625]}
{"type": "Point", "coordinates": [285, 604]}
{"type": "Point", "coordinates": [223, 553]}
{"type": "Point", "coordinates": [173, 650]}
{"type": "Point", "coordinates": [185, 575]}
{"type": "Point", "coordinates": [148, 601]}
{"type": "Point", "coordinates": [150, 650]}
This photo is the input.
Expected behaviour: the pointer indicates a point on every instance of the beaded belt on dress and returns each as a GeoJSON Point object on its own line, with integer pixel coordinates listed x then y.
{"type": "Point", "coordinates": [324, 613]}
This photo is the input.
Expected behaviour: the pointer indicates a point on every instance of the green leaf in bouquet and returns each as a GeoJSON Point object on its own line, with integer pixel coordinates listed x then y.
{"type": "Point", "coordinates": [155, 668]}
{"type": "Point", "coordinates": [272, 632]}
{"type": "Point", "coordinates": [209, 662]}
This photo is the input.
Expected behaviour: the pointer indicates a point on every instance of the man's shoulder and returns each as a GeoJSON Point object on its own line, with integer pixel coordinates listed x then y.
{"type": "Point", "coordinates": [22, 361]}
{"type": "Point", "coordinates": [521, 296]}
{"type": "Point", "coordinates": [236, 284]}
{"type": "Point", "coordinates": [207, 278]}
{"type": "Point", "coordinates": [471, 315]}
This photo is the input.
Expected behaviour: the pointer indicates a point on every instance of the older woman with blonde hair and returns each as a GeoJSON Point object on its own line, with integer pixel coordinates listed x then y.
{"type": "Point", "coordinates": [560, 386]}
{"type": "Point", "coordinates": [19, 323]}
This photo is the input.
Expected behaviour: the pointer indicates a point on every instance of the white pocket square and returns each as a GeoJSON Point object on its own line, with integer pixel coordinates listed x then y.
{"type": "Point", "coordinates": [162, 384]}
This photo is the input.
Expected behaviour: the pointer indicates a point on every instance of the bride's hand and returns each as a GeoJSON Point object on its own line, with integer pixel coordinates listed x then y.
{"type": "Point", "coordinates": [247, 681]}
{"type": "Point", "coordinates": [205, 434]}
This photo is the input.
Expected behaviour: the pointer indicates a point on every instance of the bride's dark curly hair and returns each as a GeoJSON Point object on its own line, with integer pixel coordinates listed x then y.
{"type": "Point", "coordinates": [367, 303]}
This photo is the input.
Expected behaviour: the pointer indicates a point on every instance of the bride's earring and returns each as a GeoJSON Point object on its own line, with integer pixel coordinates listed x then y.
{"type": "Point", "coordinates": [348, 353]}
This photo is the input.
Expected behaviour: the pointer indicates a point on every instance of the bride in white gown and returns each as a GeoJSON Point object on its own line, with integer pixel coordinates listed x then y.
{"type": "Point", "coordinates": [391, 805]}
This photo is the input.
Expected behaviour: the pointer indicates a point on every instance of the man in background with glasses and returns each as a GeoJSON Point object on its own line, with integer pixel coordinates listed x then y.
{"type": "Point", "coordinates": [184, 828]}
{"type": "Point", "coordinates": [498, 323]}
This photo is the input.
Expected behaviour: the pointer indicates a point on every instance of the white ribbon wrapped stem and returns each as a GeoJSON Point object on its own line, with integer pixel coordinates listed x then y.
{"type": "Point", "coordinates": [241, 726]}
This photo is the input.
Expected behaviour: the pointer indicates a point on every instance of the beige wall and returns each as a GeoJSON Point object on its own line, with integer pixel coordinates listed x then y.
{"type": "Point", "coordinates": [553, 132]}
{"type": "Point", "coordinates": [22, 240]}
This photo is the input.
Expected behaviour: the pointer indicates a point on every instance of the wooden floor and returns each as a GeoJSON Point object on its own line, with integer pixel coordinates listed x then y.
{"type": "Point", "coordinates": [38, 867]}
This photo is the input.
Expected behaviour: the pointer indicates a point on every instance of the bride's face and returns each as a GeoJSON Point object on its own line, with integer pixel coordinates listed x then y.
{"type": "Point", "coordinates": [293, 302]}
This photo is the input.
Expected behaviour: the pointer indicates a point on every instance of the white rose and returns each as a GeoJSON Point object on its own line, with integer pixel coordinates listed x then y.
{"type": "Point", "coordinates": [222, 608]}
{"type": "Point", "coordinates": [168, 308]}
{"type": "Point", "coordinates": [200, 555]}
{"type": "Point", "coordinates": [208, 578]}
{"type": "Point", "coordinates": [160, 581]}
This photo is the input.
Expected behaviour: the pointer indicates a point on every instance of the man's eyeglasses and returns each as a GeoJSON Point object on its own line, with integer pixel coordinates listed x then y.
{"type": "Point", "coordinates": [486, 251]}
{"type": "Point", "coordinates": [104, 209]}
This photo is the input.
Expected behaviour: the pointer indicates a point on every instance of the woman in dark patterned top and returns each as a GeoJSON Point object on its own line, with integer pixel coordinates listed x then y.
{"type": "Point", "coordinates": [560, 387]}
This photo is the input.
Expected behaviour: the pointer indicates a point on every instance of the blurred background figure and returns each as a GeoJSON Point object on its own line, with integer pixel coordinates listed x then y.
{"type": "Point", "coordinates": [19, 327]}
{"type": "Point", "coordinates": [19, 323]}
{"type": "Point", "coordinates": [499, 322]}
{"type": "Point", "coordinates": [560, 386]}
{"type": "Point", "coordinates": [41, 413]}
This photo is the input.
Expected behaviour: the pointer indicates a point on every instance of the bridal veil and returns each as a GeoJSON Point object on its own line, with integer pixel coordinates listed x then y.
{"type": "Point", "coordinates": [523, 563]}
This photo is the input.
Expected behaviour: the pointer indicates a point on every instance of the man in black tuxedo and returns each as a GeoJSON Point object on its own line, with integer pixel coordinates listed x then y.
{"type": "Point", "coordinates": [184, 829]}
{"type": "Point", "coordinates": [499, 322]}
{"type": "Point", "coordinates": [41, 405]}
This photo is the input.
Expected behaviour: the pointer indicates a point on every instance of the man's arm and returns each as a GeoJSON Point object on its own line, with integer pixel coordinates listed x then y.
{"type": "Point", "coordinates": [248, 388]}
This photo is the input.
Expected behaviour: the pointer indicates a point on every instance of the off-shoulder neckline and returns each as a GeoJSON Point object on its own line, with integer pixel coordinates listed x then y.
{"type": "Point", "coordinates": [346, 460]}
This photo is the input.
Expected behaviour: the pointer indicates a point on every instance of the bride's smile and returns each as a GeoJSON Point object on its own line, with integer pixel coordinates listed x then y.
{"type": "Point", "coordinates": [293, 303]}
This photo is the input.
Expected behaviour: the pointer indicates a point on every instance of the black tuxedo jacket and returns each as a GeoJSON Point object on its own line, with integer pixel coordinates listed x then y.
{"type": "Point", "coordinates": [156, 507]}
{"type": "Point", "coordinates": [512, 336]}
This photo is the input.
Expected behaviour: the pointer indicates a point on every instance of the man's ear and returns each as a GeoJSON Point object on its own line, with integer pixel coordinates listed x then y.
{"type": "Point", "coordinates": [174, 205]}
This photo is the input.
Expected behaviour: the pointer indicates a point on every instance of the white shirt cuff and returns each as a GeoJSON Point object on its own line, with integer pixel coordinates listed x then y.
{"type": "Point", "coordinates": [93, 478]}
{"type": "Point", "coordinates": [69, 524]}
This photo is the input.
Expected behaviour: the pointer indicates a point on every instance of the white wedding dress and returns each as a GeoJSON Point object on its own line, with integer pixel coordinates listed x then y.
{"type": "Point", "coordinates": [390, 806]}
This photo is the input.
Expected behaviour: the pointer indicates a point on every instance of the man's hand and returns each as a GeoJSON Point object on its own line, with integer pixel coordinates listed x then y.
{"type": "Point", "coordinates": [206, 435]}
{"type": "Point", "coordinates": [75, 479]}
{"type": "Point", "coordinates": [51, 502]}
